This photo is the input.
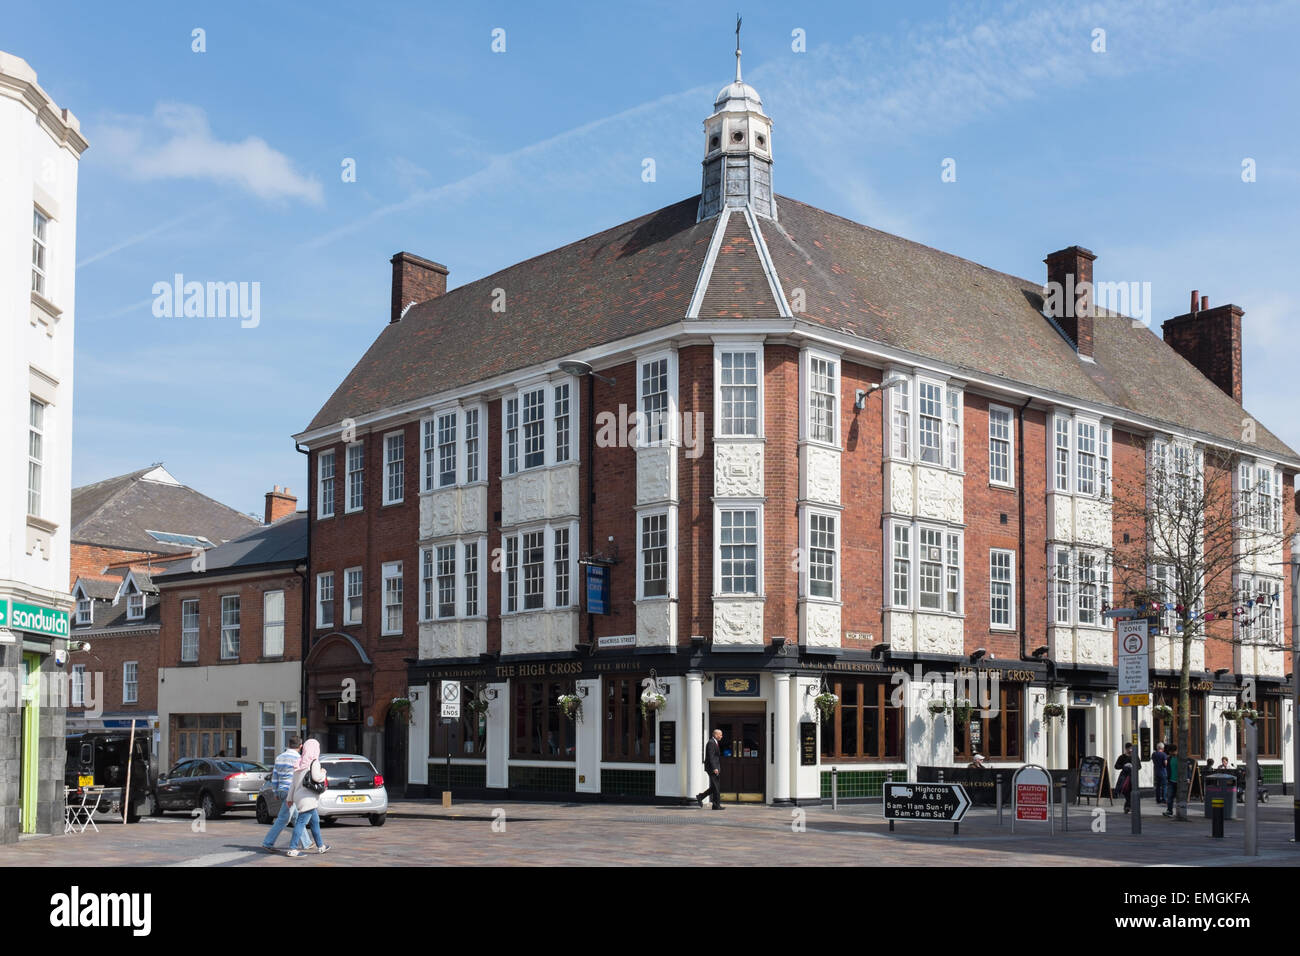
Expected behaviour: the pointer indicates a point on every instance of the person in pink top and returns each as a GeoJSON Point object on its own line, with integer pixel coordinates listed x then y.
{"type": "Point", "coordinates": [308, 783]}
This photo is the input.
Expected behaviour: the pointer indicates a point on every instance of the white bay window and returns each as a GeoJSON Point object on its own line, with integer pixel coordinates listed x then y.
{"type": "Point", "coordinates": [539, 569]}
{"type": "Point", "coordinates": [925, 567]}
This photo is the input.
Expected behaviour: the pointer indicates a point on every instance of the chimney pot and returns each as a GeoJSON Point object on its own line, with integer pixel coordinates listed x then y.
{"type": "Point", "coordinates": [1211, 340]}
{"type": "Point", "coordinates": [1192, 307]}
{"type": "Point", "coordinates": [279, 504]}
{"type": "Point", "coordinates": [415, 280]}
{"type": "Point", "coordinates": [1205, 302]}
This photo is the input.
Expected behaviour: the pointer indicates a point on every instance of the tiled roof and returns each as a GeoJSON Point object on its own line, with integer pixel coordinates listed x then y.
{"type": "Point", "coordinates": [637, 276]}
{"type": "Point", "coordinates": [641, 275]}
{"type": "Point", "coordinates": [119, 512]}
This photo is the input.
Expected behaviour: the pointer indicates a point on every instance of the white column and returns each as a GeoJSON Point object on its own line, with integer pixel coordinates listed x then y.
{"type": "Point", "coordinates": [692, 732]}
{"type": "Point", "coordinates": [498, 736]}
{"type": "Point", "coordinates": [668, 776]}
{"type": "Point", "coordinates": [587, 737]}
{"type": "Point", "coordinates": [417, 739]}
{"type": "Point", "coordinates": [781, 711]}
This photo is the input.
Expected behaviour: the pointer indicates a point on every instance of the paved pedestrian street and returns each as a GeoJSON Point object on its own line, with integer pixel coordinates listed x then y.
{"type": "Point", "coordinates": [423, 833]}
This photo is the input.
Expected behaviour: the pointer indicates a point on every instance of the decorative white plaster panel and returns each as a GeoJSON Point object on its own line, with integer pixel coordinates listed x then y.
{"type": "Point", "coordinates": [738, 469]}
{"type": "Point", "coordinates": [1061, 644]}
{"type": "Point", "coordinates": [656, 623]}
{"type": "Point", "coordinates": [449, 511]}
{"type": "Point", "coordinates": [819, 624]}
{"type": "Point", "coordinates": [539, 632]}
{"type": "Point", "coordinates": [902, 633]}
{"type": "Point", "coordinates": [655, 478]}
{"type": "Point", "coordinates": [1060, 518]}
{"type": "Point", "coordinates": [1093, 647]}
{"type": "Point", "coordinates": [452, 639]}
{"type": "Point", "coordinates": [473, 510]}
{"type": "Point", "coordinates": [539, 495]}
{"type": "Point", "coordinates": [938, 494]}
{"type": "Point", "coordinates": [938, 634]}
{"type": "Point", "coordinates": [902, 497]}
{"type": "Point", "coordinates": [1265, 557]}
{"type": "Point", "coordinates": [821, 474]}
{"type": "Point", "coordinates": [737, 623]}
{"type": "Point", "coordinates": [1092, 519]}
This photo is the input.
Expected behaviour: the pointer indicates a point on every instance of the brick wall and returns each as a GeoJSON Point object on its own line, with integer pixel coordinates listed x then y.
{"type": "Point", "coordinates": [106, 656]}
{"type": "Point", "coordinates": [781, 486]}
{"type": "Point", "coordinates": [613, 510]}
{"type": "Point", "coordinates": [88, 560]}
{"type": "Point", "coordinates": [862, 491]}
{"type": "Point", "coordinates": [695, 493]}
{"type": "Point", "coordinates": [251, 594]}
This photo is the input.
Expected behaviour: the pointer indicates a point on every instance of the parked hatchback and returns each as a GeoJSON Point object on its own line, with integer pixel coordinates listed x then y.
{"type": "Point", "coordinates": [213, 784]}
{"type": "Point", "coordinates": [356, 789]}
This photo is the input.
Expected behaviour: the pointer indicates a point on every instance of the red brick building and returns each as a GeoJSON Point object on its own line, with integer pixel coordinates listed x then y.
{"type": "Point", "coordinates": [700, 468]}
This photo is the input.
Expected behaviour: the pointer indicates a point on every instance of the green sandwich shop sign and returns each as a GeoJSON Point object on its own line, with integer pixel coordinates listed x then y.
{"type": "Point", "coordinates": [33, 619]}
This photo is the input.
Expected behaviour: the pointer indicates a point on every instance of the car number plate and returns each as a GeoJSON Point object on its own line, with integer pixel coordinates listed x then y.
{"type": "Point", "coordinates": [252, 796]}
{"type": "Point", "coordinates": [352, 799]}
{"type": "Point", "coordinates": [85, 781]}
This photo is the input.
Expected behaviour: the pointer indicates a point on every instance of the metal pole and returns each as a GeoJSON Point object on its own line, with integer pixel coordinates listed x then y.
{"type": "Point", "coordinates": [1065, 807]}
{"type": "Point", "coordinates": [126, 792]}
{"type": "Point", "coordinates": [998, 782]}
{"type": "Point", "coordinates": [1252, 789]}
{"type": "Point", "coordinates": [1295, 686]}
{"type": "Point", "coordinates": [835, 788]}
{"type": "Point", "coordinates": [1135, 792]}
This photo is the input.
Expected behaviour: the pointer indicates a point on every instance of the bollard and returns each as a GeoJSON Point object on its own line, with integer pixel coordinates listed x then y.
{"type": "Point", "coordinates": [835, 788]}
{"type": "Point", "coordinates": [941, 776]}
{"type": "Point", "coordinates": [998, 778]}
{"type": "Point", "coordinates": [1065, 806]}
{"type": "Point", "coordinates": [1216, 825]}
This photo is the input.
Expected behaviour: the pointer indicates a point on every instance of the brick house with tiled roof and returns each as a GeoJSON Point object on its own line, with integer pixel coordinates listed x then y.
{"type": "Point", "coordinates": [859, 458]}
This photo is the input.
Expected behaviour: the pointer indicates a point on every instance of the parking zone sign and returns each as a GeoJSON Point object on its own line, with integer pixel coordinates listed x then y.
{"type": "Point", "coordinates": [451, 698]}
{"type": "Point", "coordinates": [1134, 658]}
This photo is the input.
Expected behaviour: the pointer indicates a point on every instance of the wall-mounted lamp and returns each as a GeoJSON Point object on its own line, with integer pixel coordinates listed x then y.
{"type": "Point", "coordinates": [1218, 674]}
{"type": "Point", "coordinates": [584, 690]}
{"type": "Point", "coordinates": [1040, 651]}
{"type": "Point", "coordinates": [490, 693]}
{"type": "Point", "coordinates": [880, 650]}
{"type": "Point", "coordinates": [583, 369]}
{"type": "Point", "coordinates": [860, 399]}
{"type": "Point", "coordinates": [977, 654]}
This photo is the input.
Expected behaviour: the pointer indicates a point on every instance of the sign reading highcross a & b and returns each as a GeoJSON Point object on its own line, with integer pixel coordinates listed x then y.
{"type": "Point", "coordinates": [33, 619]}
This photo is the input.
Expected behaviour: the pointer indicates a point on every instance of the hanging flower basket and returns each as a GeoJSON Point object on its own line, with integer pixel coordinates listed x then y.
{"type": "Point", "coordinates": [652, 702]}
{"type": "Point", "coordinates": [939, 707]}
{"type": "Point", "coordinates": [826, 704]}
{"type": "Point", "coordinates": [571, 706]}
{"type": "Point", "coordinates": [962, 709]}
{"type": "Point", "coordinates": [400, 708]}
{"type": "Point", "coordinates": [1053, 710]}
{"type": "Point", "coordinates": [1250, 713]}
{"type": "Point", "coordinates": [1163, 711]}
{"type": "Point", "coordinates": [1233, 714]}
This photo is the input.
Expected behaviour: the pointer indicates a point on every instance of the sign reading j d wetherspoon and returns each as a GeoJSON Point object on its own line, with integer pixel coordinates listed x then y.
{"type": "Point", "coordinates": [33, 619]}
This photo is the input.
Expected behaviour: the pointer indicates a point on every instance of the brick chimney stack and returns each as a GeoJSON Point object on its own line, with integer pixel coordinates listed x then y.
{"type": "Point", "coordinates": [415, 280]}
{"type": "Point", "coordinates": [279, 504]}
{"type": "Point", "coordinates": [1211, 340]}
{"type": "Point", "coordinates": [1071, 271]}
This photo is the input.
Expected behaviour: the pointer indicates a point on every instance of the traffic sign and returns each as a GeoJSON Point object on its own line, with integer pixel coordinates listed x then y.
{"type": "Point", "coordinates": [1134, 658]}
{"type": "Point", "coordinates": [942, 802]}
{"type": "Point", "coordinates": [451, 698]}
{"type": "Point", "coordinates": [1135, 700]}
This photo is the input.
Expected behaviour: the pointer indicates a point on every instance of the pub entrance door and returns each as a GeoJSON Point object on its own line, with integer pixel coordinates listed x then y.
{"type": "Point", "coordinates": [743, 768]}
{"type": "Point", "coordinates": [1078, 736]}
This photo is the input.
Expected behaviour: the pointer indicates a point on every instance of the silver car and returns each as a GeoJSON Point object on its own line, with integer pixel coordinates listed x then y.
{"type": "Point", "coordinates": [356, 789]}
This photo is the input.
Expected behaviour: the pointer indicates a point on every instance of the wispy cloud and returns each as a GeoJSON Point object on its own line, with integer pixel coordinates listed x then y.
{"type": "Point", "coordinates": [147, 234]}
{"type": "Point", "coordinates": [177, 142]}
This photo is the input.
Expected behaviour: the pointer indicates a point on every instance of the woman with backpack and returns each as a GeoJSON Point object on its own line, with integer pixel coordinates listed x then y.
{"type": "Point", "coordinates": [309, 782]}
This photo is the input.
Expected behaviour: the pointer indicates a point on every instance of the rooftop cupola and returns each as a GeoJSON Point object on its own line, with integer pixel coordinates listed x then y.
{"type": "Point", "coordinates": [737, 150]}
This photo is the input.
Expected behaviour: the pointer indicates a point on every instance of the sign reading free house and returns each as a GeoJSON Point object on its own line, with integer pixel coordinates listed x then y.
{"type": "Point", "coordinates": [33, 619]}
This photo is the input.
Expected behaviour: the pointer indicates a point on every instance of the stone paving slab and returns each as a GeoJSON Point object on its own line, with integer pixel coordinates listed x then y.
{"type": "Point", "coordinates": [423, 833]}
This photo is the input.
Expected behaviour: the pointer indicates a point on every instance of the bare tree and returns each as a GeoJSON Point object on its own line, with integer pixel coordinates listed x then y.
{"type": "Point", "coordinates": [1202, 520]}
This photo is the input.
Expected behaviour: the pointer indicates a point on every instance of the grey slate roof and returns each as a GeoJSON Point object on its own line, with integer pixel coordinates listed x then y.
{"type": "Point", "coordinates": [119, 512]}
{"type": "Point", "coordinates": [640, 276]}
{"type": "Point", "coordinates": [283, 543]}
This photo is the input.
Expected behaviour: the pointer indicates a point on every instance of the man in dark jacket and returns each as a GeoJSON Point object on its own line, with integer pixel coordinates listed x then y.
{"type": "Point", "coordinates": [1124, 785]}
{"type": "Point", "coordinates": [1160, 761]}
{"type": "Point", "coordinates": [712, 768]}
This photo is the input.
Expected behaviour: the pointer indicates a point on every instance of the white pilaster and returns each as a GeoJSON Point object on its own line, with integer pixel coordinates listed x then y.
{"type": "Point", "coordinates": [417, 740]}
{"type": "Point", "coordinates": [692, 735]}
{"type": "Point", "coordinates": [781, 711]}
{"type": "Point", "coordinates": [668, 776]}
{"type": "Point", "coordinates": [587, 736]}
{"type": "Point", "coordinates": [498, 736]}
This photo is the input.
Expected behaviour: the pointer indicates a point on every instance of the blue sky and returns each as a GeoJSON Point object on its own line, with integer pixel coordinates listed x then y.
{"type": "Point", "coordinates": [225, 166]}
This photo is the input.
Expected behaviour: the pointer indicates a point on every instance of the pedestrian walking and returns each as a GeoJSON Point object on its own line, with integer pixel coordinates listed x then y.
{"type": "Point", "coordinates": [1172, 791]}
{"type": "Point", "coordinates": [281, 782]}
{"type": "Point", "coordinates": [309, 782]}
{"type": "Point", "coordinates": [1124, 784]}
{"type": "Point", "coordinates": [712, 769]}
{"type": "Point", "coordinates": [1160, 761]}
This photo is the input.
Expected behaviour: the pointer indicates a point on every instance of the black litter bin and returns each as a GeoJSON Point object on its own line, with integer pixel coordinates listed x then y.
{"type": "Point", "coordinates": [1221, 786]}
